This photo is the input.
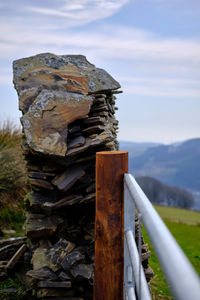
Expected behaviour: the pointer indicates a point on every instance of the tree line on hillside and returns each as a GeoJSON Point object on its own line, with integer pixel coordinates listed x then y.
{"type": "Point", "coordinates": [165, 195]}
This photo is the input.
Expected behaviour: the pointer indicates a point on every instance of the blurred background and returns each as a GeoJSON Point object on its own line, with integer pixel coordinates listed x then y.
{"type": "Point", "coordinates": [152, 47]}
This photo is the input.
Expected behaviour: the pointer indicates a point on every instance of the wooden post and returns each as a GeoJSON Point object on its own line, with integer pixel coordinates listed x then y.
{"type": "Point", "coordinates": [109, 233]}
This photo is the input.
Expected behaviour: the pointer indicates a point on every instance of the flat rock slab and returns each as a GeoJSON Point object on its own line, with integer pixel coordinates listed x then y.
{"type": "Point", "coordinates": [54, 292]}
{"type": "Point", "coordinates": [67, 201]}
{"type": "Point", "coordinates": [54, 92]}
{"type": "Point", "coordinates": [76, 142]}
{"type": "Point", "coordinates": [94, 129]}
{"type": "Point", "coordinates": [40, 226]}
{"type": "Point", "coordinates": [43, 273]}
{"type": "Point", "coordinates": [54, 284]}
{"type": "Point", "coordinates": [64, 276]}
{"type": "Point", "coordinates": [98, 140]}
{"type": "Point", "coordinates": [41, 183]}
{"type": "Point", "coordinates": [89, 198]}
{"type": "Point", "coordinates": [98, 108]}
{"type": "Point", "coordinates": [9, 291]}
{"type": "Point", "coordinates": [46, 122]}
{"type": "Point", "coordinates": [66, 180]}
{"type": "Point", "coordinates": [35, 200]}
{"type": "Point", "coordinates": [40, 175]}
{"type": "Point", "coordinates": [82, 272]}
{"type": "Point", "coordinates": [92, 120]}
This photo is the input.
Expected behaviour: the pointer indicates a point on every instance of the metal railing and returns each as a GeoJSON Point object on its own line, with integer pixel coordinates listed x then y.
{"type": "Point", "coordinates": [182, 279]}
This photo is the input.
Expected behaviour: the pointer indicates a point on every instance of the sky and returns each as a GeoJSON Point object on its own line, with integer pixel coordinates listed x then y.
{"type": "Point", "coordinates": [152, 47]}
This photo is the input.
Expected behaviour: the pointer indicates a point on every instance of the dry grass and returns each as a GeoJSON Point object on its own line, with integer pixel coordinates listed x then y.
{"type": "Point", "coordinates": [12, 171]}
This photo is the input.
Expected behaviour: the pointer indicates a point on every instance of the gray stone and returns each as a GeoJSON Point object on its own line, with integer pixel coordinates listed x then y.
{"type": "Point", "coordinates": [146, 255]}
{"type": "Point", "coordinates": [41, 183]}
{"type": "Point", "coordinates": [94, 129]}
{"type": "Point", "coordinates": [52, 95]}
{"type": "Point", "coordinates": [64, 276]}
{"type": "Point", "coordinates": [52, 257]}
{"type": "Point", "coordinates": [68, 116]}
{"type": "Point", "coordinates": [43, 273]}
{"type": "Point", "coordinates": [40, 175]}
{"type": "Point", "coordinates": [148, 273]}
{"type": "Point", "coordinates": [100, 139]}
{"type": "Point", "coordinates": [92, 120]}
{"type": "Point", "coordinates": [74, 129]}
{"type": "Point", "coordinates": [54, 292]}
{"type": "Point", "coordinates": [9, 291]}
{"type": "Point", "coordinates": [100, 113]}
{"type": "Point", "coordinates": [98, 108]}
{"type": "Point", "coordinates": [88, 198]}
{"type": "Point", "coordinates": [100, 100]}
{"type": "Point", "coordinates": [67, 179]}
{"type": "Point", "coordinates": [35, 200]}
{"type": "Point", "coordinates": [54, 284]}
{"type": "Point", "coordinates": [67, 201]}
{"type": "Point", "coordinates": [82, 272]}
{"type": "Point", "coordinates": [40, 226]}
{"type": "Point", "coordinates": [76, 142]}
{"type": "Point", "coordinates": [74, 257]}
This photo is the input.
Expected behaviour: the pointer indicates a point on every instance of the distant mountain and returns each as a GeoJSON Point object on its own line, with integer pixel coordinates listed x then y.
{"type": "Point", "coordinates": [136, 149]}
{"type": "Point", "coordinates": [176, 164]}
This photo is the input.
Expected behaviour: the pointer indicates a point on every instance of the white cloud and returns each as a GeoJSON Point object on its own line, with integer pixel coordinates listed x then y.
{"type": "Point", "coordinates": [115, 42]}
{"type": "Point", "coordinates": [63, 13]}
{"type": "Point", "coordinates": [161, 87]}
{"type": "Point", "coordinates": [136, 52]}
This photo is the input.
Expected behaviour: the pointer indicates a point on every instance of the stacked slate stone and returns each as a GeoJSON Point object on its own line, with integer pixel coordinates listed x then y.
{"type": "Point", "coordinates": [68, 108]}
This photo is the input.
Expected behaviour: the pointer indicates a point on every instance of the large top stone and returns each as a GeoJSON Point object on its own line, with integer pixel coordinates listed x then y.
{"type": "Point", "coordinates": [53, 92]}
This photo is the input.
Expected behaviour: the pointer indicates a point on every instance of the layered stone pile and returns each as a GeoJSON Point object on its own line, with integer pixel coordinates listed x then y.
{"type": "Point", "coordinates": [68, 111]}
{"type": "Point", "coordinates": [68, 108]}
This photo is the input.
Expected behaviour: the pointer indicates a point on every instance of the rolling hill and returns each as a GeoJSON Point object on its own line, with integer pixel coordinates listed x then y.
{"type": "Point", "coordinates": [176, 164]}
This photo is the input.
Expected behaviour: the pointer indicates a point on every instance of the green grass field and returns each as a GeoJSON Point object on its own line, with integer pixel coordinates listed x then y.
{"type": "Point", "coordinates": [185, 227]}
{"type": "Point", "coordinates": [179, 215]}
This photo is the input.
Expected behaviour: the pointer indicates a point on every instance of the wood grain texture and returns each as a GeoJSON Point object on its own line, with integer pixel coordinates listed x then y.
{"type": "Point", "coordinates": [109, 241]}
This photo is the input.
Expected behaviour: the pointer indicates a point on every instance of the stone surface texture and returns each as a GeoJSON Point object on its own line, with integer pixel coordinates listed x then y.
{"type": "Point", "coordinates": [54, 92]}
{"type": "Point", "coordinates": [68, 114]}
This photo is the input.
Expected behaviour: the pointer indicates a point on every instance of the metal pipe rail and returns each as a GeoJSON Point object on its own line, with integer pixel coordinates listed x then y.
{"type": "Point", "coordinates": [182, 279]}
{"type": "Point", "coordinates": [143, 292]}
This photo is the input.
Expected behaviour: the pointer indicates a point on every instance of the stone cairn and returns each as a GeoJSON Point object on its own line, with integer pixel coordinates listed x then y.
{"type": "Point", "coordinates": [68, 108]}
